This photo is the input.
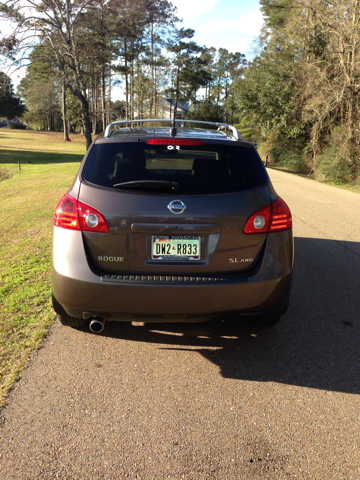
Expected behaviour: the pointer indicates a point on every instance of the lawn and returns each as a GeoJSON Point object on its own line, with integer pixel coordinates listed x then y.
{"type": "Point", "coordinates": [27, 146]}
{"type": "Point", "coordinates": [28, 198]}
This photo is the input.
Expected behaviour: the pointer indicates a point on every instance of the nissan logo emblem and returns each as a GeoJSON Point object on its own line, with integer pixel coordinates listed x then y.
{"type": "Point", "coordinates": [177, 207]}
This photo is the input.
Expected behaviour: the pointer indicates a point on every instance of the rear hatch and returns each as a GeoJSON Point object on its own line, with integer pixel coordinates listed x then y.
{"type": "Point", "coordinates": [174, 206]}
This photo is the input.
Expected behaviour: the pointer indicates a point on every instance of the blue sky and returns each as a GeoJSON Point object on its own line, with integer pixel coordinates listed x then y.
{"type": "Point", "coordinates": [230, 24]}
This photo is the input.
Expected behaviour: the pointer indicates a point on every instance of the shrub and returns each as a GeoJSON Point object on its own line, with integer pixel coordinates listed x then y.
{"type": "Point", "coordinates": [17, 126]}
{"type": "Point", "coordinates": [285, 152]}
{"type": "Point", "coordinates": [4, 174]}
{"type": "Point", "coordinates": [336, 163]}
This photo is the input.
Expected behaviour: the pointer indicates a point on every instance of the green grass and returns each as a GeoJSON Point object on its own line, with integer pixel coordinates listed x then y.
{"type": "Point", "coordinates": [345, 186]}
{"type": "Point", "coordinates": [28, 198]}
{"type": "Point", "coordinates": [27, 146]}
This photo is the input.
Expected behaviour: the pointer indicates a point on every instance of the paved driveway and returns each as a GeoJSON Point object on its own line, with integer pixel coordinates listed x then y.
{"type": "Point", "coordinates": [209, 401]}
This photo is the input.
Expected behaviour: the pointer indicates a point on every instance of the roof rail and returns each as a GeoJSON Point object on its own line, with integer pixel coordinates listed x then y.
{"type": "Point", "coordinates": [221, 126]}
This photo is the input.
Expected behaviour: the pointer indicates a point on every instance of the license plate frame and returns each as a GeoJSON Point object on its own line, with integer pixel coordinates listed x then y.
{"type": "Point", "coordinates": [175, 244]}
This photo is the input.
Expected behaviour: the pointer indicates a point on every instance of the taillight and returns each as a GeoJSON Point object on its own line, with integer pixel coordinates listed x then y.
{"type": "Point", "coordinates": [281, 216]}
{"type": "Point", "coordinates": [66, 215]}
{"type": "Point", "coordinates": [91, 220]}
{"type": "Point", "coordinates": [75, 215]}
{"type": "Point", "coordinates": [173, 141]}
{"type": "Point", "coordinates": [275, 217]}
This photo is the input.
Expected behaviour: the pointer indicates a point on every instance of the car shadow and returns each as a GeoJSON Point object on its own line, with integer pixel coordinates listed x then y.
{"type": "Point", "coordinates": [35, 157]}
{"type": "Point", "coordinates": [315, 345]}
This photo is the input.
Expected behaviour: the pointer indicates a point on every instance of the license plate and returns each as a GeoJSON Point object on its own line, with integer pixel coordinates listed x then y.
{"type": "Point", "coordinates": [175, 247]}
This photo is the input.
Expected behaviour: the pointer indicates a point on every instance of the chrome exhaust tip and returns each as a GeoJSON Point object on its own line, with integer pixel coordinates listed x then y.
{"type": "Point", "coordinates": [97, 325]}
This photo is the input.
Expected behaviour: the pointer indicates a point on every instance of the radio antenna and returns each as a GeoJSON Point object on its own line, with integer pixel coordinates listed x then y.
{"type": "Point", "coordinates": [173, 131]}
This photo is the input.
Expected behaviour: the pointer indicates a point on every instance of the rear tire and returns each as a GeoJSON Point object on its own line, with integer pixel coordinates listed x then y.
{"type": "Point", "coordinates": [56, 305]}
{"type": "Point", "coordinates": [269, 320]}
{"type": "Point", "coordinates": [69, 321]}
{"type": "Point", "coordinates": [265, 321]}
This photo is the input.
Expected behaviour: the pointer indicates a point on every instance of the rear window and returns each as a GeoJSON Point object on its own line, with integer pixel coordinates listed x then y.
{"type": "Point", "coordinates": [204, 169]}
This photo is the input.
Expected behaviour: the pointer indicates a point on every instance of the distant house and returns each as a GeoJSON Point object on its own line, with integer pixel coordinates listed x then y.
{"type": "Point", "coordinates": [164, 109]}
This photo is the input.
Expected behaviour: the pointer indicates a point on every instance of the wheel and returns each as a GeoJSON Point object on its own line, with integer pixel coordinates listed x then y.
{"type": "Point", "coordinates": [270, 319]}
{"type": "Point", "coordinates": [56, 305]}
{"type": "Point", "coordinates": [264, 321]}
{"type": "Point", "coordinates": [68, 321]}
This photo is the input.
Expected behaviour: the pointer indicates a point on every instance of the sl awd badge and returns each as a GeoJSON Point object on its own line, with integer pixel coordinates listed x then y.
{"type": "Point", "coordinates": [242, 260]}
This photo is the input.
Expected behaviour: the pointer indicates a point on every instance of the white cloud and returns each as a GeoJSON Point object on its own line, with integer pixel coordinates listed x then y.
{"type": "Point", "coordinates": [189, 9]}
{"type": "Point", "coordinates": [248, 23]}
{"type": "Point", "coordinates": [230, 24]}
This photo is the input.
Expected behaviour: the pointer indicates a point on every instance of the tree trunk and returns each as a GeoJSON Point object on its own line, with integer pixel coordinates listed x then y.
{"type": "Point", "coordinates": [94, 105]}
{"type": "Point", "coordinates": [86, 126]}
{"type": "Point", "coordinates": [52, 120]}
{"type": "Point", "coordinates": [132, 89]}
{"type": "Point", "coordinates": [226, 105]}
{"type": "Point", "coordinates": [108, 118]}
{"type": "Point", "coordinates": [152, 96]}
{"type": "Point", "coordinates": [155, 98]}
{"type": "Point", "coordinates": [80, 92]}
{"type": "Point", "coordinates": [103, 98]}
{"type": "Point", "coordinates": [126, 82]}
{"type": "Point", "coordinates": [65, 123]}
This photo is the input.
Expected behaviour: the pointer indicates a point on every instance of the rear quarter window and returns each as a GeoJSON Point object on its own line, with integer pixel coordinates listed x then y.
{"type": "Point", "coordinates": [204, 169]}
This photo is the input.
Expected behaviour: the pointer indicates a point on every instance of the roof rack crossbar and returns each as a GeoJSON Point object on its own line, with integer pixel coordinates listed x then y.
{"type": "Point", "coordinates": [221, 126]}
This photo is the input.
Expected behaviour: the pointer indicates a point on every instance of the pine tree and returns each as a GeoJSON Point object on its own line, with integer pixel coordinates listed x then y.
{"type": "Point", "coordinates": [10, 105]}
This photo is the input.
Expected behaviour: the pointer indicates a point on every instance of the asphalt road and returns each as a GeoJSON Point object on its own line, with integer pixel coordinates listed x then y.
{"type": "Point", "coordinates": [209, 401]}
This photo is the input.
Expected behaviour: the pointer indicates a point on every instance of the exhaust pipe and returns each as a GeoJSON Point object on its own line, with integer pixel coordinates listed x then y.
{"type": "Point", "coordinates": [97, 325]}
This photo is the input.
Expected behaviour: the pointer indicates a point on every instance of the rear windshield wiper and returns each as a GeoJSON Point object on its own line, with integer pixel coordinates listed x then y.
{"type": "Point", "coordinates": [149, 184]}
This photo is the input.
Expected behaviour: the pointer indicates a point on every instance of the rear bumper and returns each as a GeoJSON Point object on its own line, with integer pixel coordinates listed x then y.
{"type": "Point", "coordinates": [83, 294]}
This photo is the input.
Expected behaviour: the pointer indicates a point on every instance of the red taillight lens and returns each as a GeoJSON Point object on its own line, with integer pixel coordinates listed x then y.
{"type": "Point", "coordinates": [75, 215]}
{"type": "Point", "coordinates": [91, 220]}
{"type": "Point", "coordinates": [281, 216]}
{"type": "Point", "coordinates": [66, 215]}
{"type": "Point", "coordinates": [275, 217]}
{"type": "Point", "coordinates": [173, 141]}
{"type": "Point", "coordinates": [253, 224]}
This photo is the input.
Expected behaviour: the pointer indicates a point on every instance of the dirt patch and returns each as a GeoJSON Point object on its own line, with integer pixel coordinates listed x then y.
{"type": "Point", "coordinates": [4, 174]}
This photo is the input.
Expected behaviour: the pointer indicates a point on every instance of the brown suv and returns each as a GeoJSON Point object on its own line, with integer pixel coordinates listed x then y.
{"type": "Point", "coordinates": [171, 224]}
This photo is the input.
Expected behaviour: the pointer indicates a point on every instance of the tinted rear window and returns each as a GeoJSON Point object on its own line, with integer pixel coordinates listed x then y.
{"type": "Point", "coordinates": [204, 169]}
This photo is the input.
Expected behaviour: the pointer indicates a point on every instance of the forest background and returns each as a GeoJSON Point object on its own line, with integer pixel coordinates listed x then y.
{"type": "Point", "coordinates": [298, 99]}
